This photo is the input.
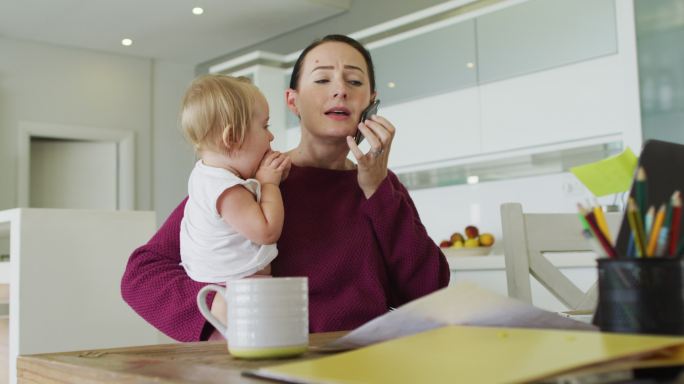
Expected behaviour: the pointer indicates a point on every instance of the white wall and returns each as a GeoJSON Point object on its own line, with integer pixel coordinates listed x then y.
{"type": "Point", "coordinates": [60, 85]}
{"type": "Point", "coordinates": [173, 156]}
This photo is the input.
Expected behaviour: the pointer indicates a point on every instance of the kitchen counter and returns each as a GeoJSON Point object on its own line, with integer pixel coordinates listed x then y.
{"type": "Point", "coordinates": [496, 260]}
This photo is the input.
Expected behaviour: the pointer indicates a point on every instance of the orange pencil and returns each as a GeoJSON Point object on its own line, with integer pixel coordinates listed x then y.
{"type": "Point", "coordinates": [655, 231]}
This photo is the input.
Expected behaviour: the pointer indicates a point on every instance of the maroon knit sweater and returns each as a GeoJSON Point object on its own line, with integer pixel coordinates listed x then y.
{"type": "Point", "coordinates": [361, 256]}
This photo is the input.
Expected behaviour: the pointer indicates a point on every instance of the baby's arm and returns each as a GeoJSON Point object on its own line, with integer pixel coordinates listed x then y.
{"type": "Point", "coordinates": [260, 222]}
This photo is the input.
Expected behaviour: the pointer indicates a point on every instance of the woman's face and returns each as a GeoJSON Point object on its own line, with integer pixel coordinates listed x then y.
{"type": "Point", "coordinates": [333, 91]}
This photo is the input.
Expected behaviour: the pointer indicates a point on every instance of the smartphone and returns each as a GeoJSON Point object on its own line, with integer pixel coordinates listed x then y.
{"type": "Point", "coordinates": [367, 113]}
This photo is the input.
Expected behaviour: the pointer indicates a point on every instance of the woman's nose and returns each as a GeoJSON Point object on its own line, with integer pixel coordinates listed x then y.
{"type": "Point", "coordinates": [340, 90]}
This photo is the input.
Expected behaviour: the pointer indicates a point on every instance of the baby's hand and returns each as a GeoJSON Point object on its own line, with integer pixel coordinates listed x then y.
{"type": "Point", "coordinates": [272, 168]}
{"type": "Point", "coordinates": [286, 171]}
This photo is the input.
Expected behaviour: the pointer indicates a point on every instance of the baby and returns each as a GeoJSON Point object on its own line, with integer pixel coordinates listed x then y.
{"type": "Point", "coordinates": [234, 213]}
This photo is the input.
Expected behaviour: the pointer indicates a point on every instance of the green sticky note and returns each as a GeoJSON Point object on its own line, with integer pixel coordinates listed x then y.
{"type": "Point", "coordinates": [611, 175]}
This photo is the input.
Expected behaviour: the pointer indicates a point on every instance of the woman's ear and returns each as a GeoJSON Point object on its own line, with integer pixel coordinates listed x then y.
{"type": "Point", "coordinates": [291, 101]}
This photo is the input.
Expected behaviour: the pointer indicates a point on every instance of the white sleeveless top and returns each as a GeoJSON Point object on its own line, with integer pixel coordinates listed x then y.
{"type": "Point", "coordinates": [211, 250]}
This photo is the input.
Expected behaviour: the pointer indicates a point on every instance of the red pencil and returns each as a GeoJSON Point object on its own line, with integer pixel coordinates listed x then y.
{"type": "Point", "coordinates": [676, 222]}
{"type": "Point", "coordinates": [591, 219]}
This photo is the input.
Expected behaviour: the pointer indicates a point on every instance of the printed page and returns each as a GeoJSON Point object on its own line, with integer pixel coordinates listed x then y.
{"type": "Point", "coordinates": [463, 303]}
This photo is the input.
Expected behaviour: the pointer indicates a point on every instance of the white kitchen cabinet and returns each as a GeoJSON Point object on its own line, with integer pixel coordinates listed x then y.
{"type": "Point", "coordinates": [435, 128]}
{"type": "Point", "coordinates": [447, 54]}
{"type": "Point", "coordinates": [543, 34]}
{"type": "Point", "coordinates": [65, 270]}
{"type": "Point", "coordinates": [595, 99]}
{"type": "Point", "coordinates": [565, 104]}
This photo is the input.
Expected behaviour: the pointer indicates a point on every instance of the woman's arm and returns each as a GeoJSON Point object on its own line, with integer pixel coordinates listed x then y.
{"type": "Point", "coordinates": [156, 286]}
{"type": "Point", "coordinates": [415, 263]}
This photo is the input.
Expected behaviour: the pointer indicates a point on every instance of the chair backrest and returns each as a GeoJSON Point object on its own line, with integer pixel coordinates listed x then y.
{"type": "Point", "coordinates": [65, 281]}
{"type": "Point", "coordinates": [527, 236]}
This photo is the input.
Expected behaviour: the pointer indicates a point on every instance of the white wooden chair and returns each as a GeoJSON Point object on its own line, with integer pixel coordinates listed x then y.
{"type": "Point", "coordinates": [65, 275]}
{"type": "Point", "coordinates": [527, 236]}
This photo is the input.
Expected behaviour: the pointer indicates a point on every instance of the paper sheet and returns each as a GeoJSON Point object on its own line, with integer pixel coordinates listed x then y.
{"type": "Point", "coordinates": [466, 354]}
{"type": "Point", "coordinates": [608, 176]}
{"type": "Point", "coordinates": [462, 303]}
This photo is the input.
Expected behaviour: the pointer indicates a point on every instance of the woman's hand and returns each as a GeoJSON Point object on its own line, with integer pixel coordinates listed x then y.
{"type": "Point", "coordinates": [372, 166]}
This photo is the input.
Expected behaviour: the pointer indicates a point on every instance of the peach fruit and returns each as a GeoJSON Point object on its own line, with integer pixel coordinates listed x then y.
{"type": "Point", "coordinates": [486, 239]}
{"type": "Point", "coordinates": [471, 232]}
{"type": "Point", "coordinates": [472, 243]}
{"type": "Point", "coordinates": [456, 236]}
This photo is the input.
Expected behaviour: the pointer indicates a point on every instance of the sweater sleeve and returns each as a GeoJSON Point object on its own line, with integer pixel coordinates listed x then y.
{"type": "Point", "coordinates": [156, 286]}
{"type": "Point", "coordinates": [416, 266]}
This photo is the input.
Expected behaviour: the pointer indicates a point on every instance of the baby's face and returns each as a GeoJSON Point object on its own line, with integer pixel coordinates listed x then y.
{"type": "Point", "coordinates": [257, 138]}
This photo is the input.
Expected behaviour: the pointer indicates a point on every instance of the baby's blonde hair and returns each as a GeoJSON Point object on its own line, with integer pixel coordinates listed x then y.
{"type": "Point", "coordinates": [217, 111]}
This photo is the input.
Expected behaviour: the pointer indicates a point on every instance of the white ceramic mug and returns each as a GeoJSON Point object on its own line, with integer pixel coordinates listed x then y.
{"type": "Point", "coordinates": [267, 317]}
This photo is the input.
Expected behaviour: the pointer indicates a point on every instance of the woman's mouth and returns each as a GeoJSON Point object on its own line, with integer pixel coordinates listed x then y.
{"type": "Point", "coordinates": [338, 113]}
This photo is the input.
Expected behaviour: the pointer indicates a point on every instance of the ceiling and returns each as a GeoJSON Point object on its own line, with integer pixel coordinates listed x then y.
{"type": "Point", "coordinates": [160, 29]}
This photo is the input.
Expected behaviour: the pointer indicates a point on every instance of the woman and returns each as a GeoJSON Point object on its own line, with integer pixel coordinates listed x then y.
{"type": "Point", "coordinates": [352, 229]}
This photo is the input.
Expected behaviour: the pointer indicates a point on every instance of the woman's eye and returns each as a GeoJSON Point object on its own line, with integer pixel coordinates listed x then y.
{"type": "Point", "coordinates": [356, 83]}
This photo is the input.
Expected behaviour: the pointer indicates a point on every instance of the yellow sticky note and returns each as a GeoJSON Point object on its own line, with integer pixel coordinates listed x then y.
{"type": "Point", "coordinates": [611, 175]}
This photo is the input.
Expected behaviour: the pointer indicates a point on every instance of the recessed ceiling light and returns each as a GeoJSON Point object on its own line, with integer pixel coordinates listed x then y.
{"type": "Point", "coordinates": [391, 84]}
{"type": "Point", "coordinates": [473, 179]}
{"type": "Point", "coordinates": [197, 11]}
{"type": "Point", "coordinates": [470, 65]}
{"type": "Point", "coordinates": [126, 42]}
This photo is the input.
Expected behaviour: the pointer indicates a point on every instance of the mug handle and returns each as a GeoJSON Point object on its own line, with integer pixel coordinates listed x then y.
{"type": "Point", "coordinates": [204, 308]}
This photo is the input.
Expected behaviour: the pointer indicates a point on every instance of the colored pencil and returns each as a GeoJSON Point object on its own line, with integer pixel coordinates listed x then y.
{"type": "Point", "coordinates": [648, 221]}
{"type": "Point", "coordinates": [596, 231]}
{"type": "Point", "coordinates": [595, 245]}
{"type": "Point", "coordinates": [634, 224]}
{"type": "Point", "coordinates": [583, 219]}
{"type": "Point", "coordinates": [640, 190]}
{"type": "Point", "coordinates": [676, 222]}
{"type": "Point", "coordinates": [655, 231]}
{"type": "Point", "coordinates": [661, 248]}
{"type": "Point", "coordinates": [601, 220]}
{"type": "Point", "coordinates": [664, 237]}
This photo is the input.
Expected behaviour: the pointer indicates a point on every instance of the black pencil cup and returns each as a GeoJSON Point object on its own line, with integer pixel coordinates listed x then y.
{"type": "Point", "coordinates": [641, 296]}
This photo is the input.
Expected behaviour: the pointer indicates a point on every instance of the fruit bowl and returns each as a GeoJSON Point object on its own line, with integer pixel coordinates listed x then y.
{"type": "Point", "coordinates": [476, 251]}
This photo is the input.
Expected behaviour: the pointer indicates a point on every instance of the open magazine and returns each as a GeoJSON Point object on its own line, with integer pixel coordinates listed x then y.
{"type": "Point", "coordinates": [462, 303]}
{"type": "Point", "coordinates": [466, 334]}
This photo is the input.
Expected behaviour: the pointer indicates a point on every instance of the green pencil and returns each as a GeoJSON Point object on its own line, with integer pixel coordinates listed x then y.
{"type": "Point", "coordinates": [581, 212]}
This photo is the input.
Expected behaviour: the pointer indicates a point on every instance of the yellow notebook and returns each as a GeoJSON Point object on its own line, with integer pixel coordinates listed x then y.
{"type": "Point", "coordinates": [462, 354]}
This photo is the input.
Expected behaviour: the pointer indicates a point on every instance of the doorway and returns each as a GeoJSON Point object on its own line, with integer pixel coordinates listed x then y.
{"type": "Point", "coordinates": [75, 167]}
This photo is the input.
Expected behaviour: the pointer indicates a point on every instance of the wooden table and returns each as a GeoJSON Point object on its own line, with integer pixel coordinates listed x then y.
{"type": "Point", "coordinates": [201, 362]}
